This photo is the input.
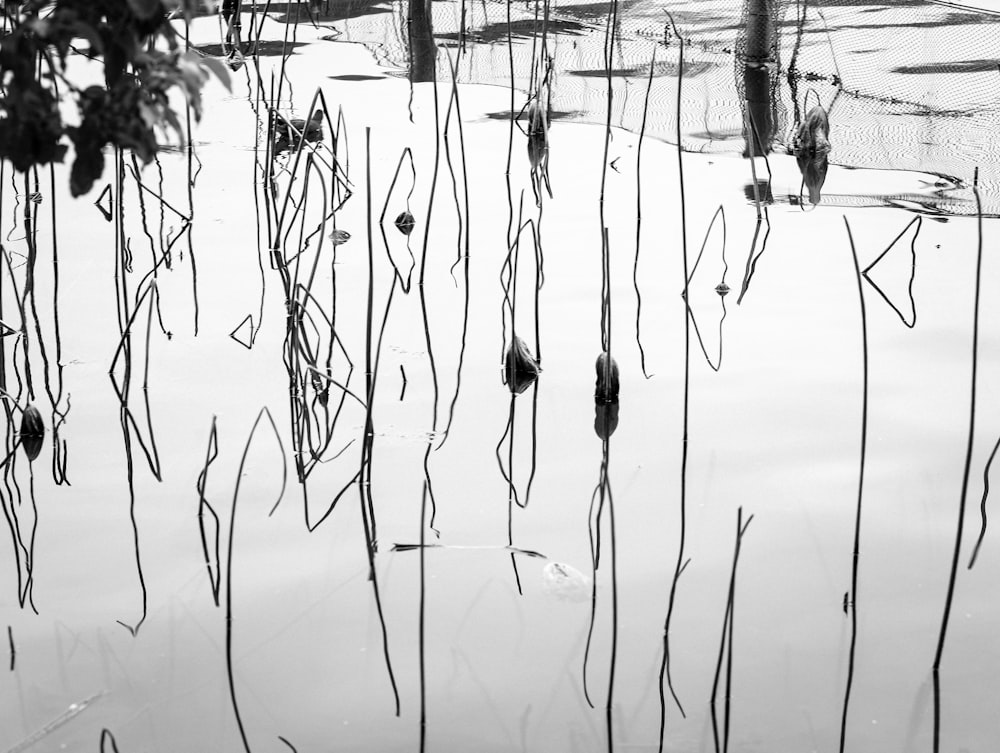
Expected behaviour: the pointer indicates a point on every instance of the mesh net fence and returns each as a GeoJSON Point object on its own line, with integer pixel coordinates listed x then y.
{"type": "Point", "coordinates": [908, 84]}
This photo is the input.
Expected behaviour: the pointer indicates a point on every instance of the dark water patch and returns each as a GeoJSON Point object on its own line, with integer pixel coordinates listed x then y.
{"type": "Point", "coordinates": [269, 48]}
{"type": "Point", "coordinates": [949, 19]}
{"type": "Point", "coordinates": [923, 111]}
{"type": "Point", "coordinates": [525, 28]}
{"type": "Point", "coordinates": [939, 208]}
{"type": "Point", "coordinates": [595, 11]}
{"type": "Point", "coordinates": [356, 77]}
{"type": "Point", "coordinates": [869, 7]}
{"type": "Point", "coordinates": [959, 66]}
{"type": "Point", "coordinates": [663, 68]}
{"type": "Point", "coordinates": [523, 115]}
{"type": "Point", "coordinates": [329, 10]}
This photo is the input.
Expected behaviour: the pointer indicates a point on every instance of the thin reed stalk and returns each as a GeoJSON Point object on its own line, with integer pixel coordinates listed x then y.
{"type": "Point", "coordinates": [959, 528]}
{"type": "Point", "coordinates": [638, 217]}
{"type": "Point", "coordinates": [230, 548]}
{"type": "Point", "coordinates": [665, 677]}
{"type": "Point", "coordinates": [856, 553]}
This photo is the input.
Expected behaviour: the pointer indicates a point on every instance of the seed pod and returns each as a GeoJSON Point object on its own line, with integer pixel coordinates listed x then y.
{"type": "Point", "coordinates": [520, 367]}
{"type": "Point", "coordinates": [405, 223]}
{"type": "Point", "coordinates": [607, 378]}
{"type": "Point", "coordinates": [605, 418]}
{"type": "Point", "coordinates": [32, 432]}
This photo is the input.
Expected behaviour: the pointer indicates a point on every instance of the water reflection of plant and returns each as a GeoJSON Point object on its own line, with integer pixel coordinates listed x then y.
{"type": "Point", "coordinates": [726, 647]}
{"type": "Point", "coordinates": [722, 289]}
{"type": "Point", "coordinates": [127, 111]}
{"type": "Point", "coordinates": [521, 366]}
{"type": "Point", "coordinates": [665, 678]}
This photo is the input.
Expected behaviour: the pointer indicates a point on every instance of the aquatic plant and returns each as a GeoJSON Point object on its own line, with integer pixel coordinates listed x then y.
{"type": "Point", "coordinates": [405, 223]}
{"type": "Point", "coordinates": [607, 378]}
{"type": "Point", "coordinates": [289, 133]}
{"type": "Point", "coordinates": [32, 431]}
{"type": "Point", "coordinates": [605, 418]}
{"type": "Point", "coordinates": [520, 366]}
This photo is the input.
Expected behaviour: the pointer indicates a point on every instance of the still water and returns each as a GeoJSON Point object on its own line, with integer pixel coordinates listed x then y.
{"type": "Point", "coordinates": [295, 500]}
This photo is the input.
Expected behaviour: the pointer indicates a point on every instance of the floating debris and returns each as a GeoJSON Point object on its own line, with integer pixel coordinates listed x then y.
{"type": "Point", "coordinates": [340, 237]}
{"type": "Point", "coordinates": [565, 583]}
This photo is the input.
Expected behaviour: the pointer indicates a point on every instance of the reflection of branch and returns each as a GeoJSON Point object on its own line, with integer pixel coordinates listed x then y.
{"type": "Point", "coordinates": [965, 473]}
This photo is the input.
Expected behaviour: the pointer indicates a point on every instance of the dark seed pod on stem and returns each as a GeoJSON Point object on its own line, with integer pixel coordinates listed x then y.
{"type": "Point", "coordinates": [605, 418]}
{"type": "Point", "coordinates": [520, 366]}
{"type": "Point", "coordinates": [607, 378]}
{"type": "Point", "coordinates": [32, 432]}
{"type": "Point", "coordinates": [405, 223]}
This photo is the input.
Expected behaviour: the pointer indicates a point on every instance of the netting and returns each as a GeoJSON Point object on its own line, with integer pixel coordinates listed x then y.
{"type": "Point", "coordinates": [909, 85]}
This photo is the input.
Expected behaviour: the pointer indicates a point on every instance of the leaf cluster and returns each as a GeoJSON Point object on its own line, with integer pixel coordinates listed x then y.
{"type": "Point", "coordinates": [142, 62]}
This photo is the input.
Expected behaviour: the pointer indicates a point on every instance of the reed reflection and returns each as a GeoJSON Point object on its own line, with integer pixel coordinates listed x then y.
{"type": "Point", "coordinates": [462, 240]}
{"type": "Point", "coordinates": [721, 289]}
{"type": "Point", "coordinates": [721, 738]}
{"type": "Point", "coordinates": [755, 253]}
{"type": "Point", "coordinates": [301, 197]}
{"type": "Point", "coordinates": [135, 352]}
{"type": "Point", "coordinates": [912, 321]}
{"type": "Point", "coordinates": [520, 371]}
